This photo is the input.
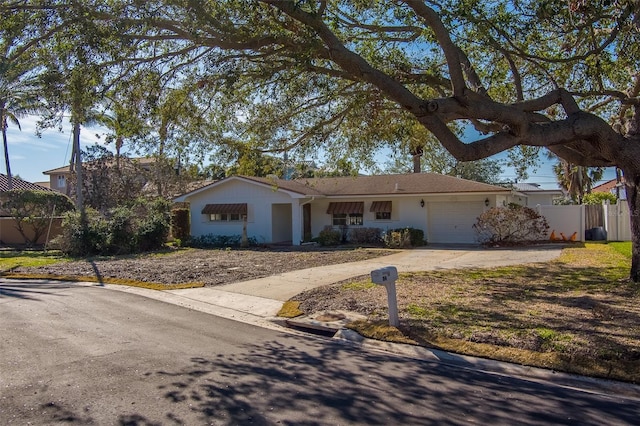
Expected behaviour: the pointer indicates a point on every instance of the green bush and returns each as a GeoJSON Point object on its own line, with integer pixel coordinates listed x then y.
{"type": "Point", "coordinates": [404, 237]}
{"type": "Point", "coordinates": [599, 198]}
{"type": "Point", "coordinates": [219, 241]}
{"type": "Point", "coordinates": [329, 236]}
{"type": "Point", "coordinates": [397, 238]}
{"type": "Point", "coordinates": [142, 226]}
{"type": "Point", "coordinates": [180, 224]}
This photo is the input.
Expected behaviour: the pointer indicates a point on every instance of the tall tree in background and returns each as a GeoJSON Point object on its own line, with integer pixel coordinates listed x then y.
{"type": "Point", "coordinates": [345, 75]}
{"type": "Point", "coordinates": [577, 181]}
{"type": "Point", "coordinates": [19, 95]}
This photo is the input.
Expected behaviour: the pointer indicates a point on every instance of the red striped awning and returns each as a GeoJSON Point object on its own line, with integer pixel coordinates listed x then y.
{"type": "Point", "coordinates": [381, 207]}
{"type": "Point", "coordinates": [239, 208]}
{"type": "Point", "coordinates": [354, 207]}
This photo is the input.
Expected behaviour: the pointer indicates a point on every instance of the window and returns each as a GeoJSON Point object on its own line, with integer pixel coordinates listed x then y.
{"type": "Point", "coordinates": [340, 219]}
{"type": "Point", "coordinates": [224, 217]}
{"type": "Point", "coordinates": [381, 209]}
{"type": "Point", "coordinates": [62, 182]}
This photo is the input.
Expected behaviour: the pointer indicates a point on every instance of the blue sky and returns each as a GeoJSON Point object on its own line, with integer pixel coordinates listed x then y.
{"type": "Point", "coordinates": [30, 155]}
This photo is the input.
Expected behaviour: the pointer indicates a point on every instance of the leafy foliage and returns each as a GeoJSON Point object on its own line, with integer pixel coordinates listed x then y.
{"type": "Point", "coordinates": [599, 198]}
{"type": "Point", "coordinates": [142, 226]}
{"type": "Point", "coordinates": [219, 241]}
{"type": "Point", "coordinates": [33, 210]}
{"type": "Point", "coordinates": [511, 224]}
{"type": "Point", "coordinates": [180, 223]}
{"type": "Point", "coordinates": [329, 236]}
{"type": "Point", "coordinates": [404, 237]}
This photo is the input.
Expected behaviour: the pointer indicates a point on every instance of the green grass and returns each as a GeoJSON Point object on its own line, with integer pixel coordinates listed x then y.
{"type": "Point", "coordinates": [13, 259]}
{"type": "Point", "coordinates": [622, 247]}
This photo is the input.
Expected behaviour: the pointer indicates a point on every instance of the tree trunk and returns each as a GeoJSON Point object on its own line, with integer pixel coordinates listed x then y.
{"type": "Point", "coordinates": [632, 182]}
{"type": "Point", "coordinates": [6, 156]}
{"type": "Point", "coordinates": [78, 166]}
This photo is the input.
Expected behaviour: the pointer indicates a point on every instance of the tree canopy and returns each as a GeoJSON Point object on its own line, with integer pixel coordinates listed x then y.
{"type": "Point", "coordinates": [353, 76]}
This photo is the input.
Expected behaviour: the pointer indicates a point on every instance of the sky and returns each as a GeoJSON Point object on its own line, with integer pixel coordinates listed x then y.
{"type": "Point", "coordinates": [30, 155]}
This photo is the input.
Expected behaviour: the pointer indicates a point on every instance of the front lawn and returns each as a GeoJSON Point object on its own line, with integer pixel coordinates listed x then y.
{"type": "Point", "coordinates": [577, 314]}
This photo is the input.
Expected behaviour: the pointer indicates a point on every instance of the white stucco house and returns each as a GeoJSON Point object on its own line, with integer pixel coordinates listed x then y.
{"type": "Point", "coordinates": [285, 211]}
{"type": "Point", "coordinates": [535, 195]}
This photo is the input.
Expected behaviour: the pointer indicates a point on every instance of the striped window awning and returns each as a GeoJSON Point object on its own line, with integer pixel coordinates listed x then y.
{"type": "Point", "coordinates": [239, 208]}
{"type": "Point", "coordinates": [381, 207]}
{"type": "Point", "coordinates": [354, 207]}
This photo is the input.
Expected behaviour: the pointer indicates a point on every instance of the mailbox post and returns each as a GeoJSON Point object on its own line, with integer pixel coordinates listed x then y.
{"type": "Point", "coordinates": [387, 276]}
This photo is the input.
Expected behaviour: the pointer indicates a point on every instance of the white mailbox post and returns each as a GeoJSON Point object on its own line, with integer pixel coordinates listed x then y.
{"type": "Point", "coordinates": [387, 276]}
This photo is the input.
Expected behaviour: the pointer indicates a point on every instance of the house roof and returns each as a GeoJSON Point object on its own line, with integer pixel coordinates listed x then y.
{"type": "Point", "coordinates": [65, 169]}
{"type": "Point", "coordinates": [607, 186]}
{"type": "Point", "coordinates": [380, 185]}
{"type": "Point", "coordinates": [412, 183]}
{"type": "Point", "coordinates": [20, 184]}
{"type": "Point", "coordinates": [534, 187]}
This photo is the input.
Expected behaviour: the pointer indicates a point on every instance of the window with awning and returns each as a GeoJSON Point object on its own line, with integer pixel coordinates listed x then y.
{"type": "Point", "coordinates": [225, 212]}
{"type": "Point", "coordinates": [353, 207]}
{"type": "Point", "coordinates": [382, 210]}
{"type": "Point", "coordinates": [381, 207]}
{"type": "Point", "coordinates": [238, 208]}
{"type": "Point", "coordinates": [346, 213]}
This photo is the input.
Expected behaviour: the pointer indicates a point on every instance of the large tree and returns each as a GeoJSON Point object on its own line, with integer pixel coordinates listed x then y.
{"type": "Point", "coordinates": [303, 74]}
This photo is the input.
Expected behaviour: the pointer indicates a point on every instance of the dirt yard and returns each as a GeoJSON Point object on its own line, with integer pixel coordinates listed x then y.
{"type": "Point", "coordinates": [211, 267]}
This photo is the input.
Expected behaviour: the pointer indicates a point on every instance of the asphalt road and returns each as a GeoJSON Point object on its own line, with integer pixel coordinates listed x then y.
{"type": "Point", "coordinates": [86, 355]}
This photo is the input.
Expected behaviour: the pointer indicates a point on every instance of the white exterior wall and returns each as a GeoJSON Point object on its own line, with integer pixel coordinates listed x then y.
{"type": "Point", "coordinates": [565, 220]}
{"type": "Point", "coordinates": [404, 212]}
{"type": "Point", "coordinates": [259, 201]}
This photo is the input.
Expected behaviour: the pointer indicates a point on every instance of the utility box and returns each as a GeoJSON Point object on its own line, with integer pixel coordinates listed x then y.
{"type": "Point", "coordinates": [387, 277]}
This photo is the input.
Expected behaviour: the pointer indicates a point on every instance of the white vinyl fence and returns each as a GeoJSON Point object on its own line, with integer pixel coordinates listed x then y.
{"type": "Point", "coordinates": [565, 221]}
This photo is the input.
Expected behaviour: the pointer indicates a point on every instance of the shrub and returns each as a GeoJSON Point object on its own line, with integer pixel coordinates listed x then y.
{"type": "Point", "coordinates": [397, 238]}
{"type": "Point", "coordinates": [329, 236]}
{"type": "Point", "coordinates": [599, 198]}
{"type": "Point", "coordinates": [365, 235]}
{"type": "Point", "coordinates": [180, 224]}
{"type": "Point", "coordinates": [219, 241]}
{"type": "Point", "coordinates": [404, 237]}
{"type": "Point", "coordinates": [142, 226]}
{"type": "Point", "coordinates": [513, 223]}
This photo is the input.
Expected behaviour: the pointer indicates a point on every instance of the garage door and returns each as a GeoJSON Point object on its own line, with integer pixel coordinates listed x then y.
{"type": "Point", "coordinates": [452, 222]}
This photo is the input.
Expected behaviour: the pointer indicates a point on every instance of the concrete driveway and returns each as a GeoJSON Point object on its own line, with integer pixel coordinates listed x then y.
{"type": "Point", "coordinates": [256, 300]}
{"type": "Point", "coordinates": [286, 285]}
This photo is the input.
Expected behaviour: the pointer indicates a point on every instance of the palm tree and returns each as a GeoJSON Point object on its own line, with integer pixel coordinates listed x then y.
{"type": "Point", "coordinates": [18, 98]}
{"type": "Point", "coordinates": [576, 180]}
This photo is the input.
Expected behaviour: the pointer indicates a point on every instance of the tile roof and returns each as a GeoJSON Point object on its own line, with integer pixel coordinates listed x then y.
{"type": "Point", "coordinates": [607, 186]}
{"type": "Point", "coordinates": [20, 184]}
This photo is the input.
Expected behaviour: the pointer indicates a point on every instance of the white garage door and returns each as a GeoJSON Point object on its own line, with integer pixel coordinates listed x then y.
{"type": "Point", "coordinates": [452, 222]}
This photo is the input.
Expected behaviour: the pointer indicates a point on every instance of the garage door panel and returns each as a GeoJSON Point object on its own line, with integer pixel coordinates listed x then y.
{"type": "Point", "coordinates": [452, 222]}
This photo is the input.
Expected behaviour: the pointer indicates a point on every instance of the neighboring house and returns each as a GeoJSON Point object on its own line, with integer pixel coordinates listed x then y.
{"type": "Point", "coordinates": [60, 178]}
{"type": "Point", "coordinates": [9, 234]}
{"type": "Point", "coordinates": [536, 196]}
{"type": "Point", "coordinates": [444, 207]}
{"type": "Point", "coordinates": [19, 184]}
{"type": "Point", "coordinates": [614, 187]}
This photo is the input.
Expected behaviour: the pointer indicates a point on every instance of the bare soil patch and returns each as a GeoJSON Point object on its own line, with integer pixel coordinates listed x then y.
{"type": "Point", "coordinates": [211, 267]}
